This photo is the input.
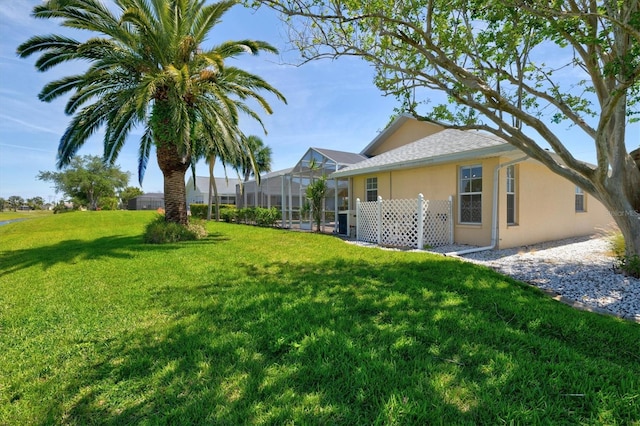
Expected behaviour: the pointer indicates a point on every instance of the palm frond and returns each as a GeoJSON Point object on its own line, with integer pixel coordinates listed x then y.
{"type": "Point", "coordinates": [45, 43]}
{"type": "Point", "coordinates": [144, 151]}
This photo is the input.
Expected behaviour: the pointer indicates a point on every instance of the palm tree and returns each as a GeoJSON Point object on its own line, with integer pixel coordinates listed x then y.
{"type": "Point", "coordinates": [205, 147]}
{"type": "Point", "coordinates": [146, 67]}
{"type": "Point", "coordinates": [257, 159]}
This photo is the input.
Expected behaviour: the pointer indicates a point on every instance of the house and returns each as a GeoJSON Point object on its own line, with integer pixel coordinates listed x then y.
{"type": "Point", "coordinates": [498, 197]}
{"type": "Point", "coordinates": [285, 189]}
{"type": "Point", "coordinates": [148, 201]}
{"type": "Point", "coordinates": [199, 194]}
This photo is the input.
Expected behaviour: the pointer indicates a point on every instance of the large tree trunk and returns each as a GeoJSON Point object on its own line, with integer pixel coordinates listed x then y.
{"type": "Point", "coordinates": [625, 214]}
{"type": "Point", "coordinates": [173, 166]}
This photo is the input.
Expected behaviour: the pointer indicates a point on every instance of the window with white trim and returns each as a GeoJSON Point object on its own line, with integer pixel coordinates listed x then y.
{"type": "Point", "coordinates": [580, 200]}
{"type": "Point", "coordinates": [470, 194]}
{"type": "Point", "coordinates": [511, 195]}
{"type": "Point", "coordinates": [371, 189]}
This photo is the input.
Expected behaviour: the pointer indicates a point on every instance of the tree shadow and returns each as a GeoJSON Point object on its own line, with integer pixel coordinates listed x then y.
{"type": "Point", "coordinates": [411, 342]}
{"type": "Point", "coordinates": [76, 251]}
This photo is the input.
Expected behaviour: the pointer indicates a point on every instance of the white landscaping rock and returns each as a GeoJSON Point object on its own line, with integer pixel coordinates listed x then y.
{"type": "Point", "coordinates": [579, 270]}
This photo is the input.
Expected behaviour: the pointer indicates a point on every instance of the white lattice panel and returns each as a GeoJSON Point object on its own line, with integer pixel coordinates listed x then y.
{"type": "Point", "coordinates": [368, 221]}
{"type": "Point", "coordinates": [437, 222]}
{"type": "Point", "coordinates": [399, 223]}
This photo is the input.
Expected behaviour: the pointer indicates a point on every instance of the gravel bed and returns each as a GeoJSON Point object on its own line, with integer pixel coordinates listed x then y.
{"type": "Point", "coordinates": [578, 270]}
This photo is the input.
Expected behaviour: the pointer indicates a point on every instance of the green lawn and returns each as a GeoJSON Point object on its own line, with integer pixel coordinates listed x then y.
{"type": "Point", "coordinates": [29, 214]}
{"type": "Point", "coordinates": [264, 326]}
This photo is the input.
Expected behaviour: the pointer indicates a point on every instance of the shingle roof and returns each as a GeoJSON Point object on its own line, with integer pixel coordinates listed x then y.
{"type": "Point", "coordinates": [447, 145]}
{"type": "Point", "coordinates": [397, 123]}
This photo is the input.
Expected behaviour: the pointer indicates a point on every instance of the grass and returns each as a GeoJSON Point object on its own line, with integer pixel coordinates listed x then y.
{"type": "Point", "coordinates": [263, 326]}
{"type": "Point", "coordinates": [28, 214]}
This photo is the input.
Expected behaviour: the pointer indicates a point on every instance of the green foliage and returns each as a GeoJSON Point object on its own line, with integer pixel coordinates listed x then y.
{"type": "Point", "coordinates": [256, 158]}
{"type": "Point", "coordinates": [14, 202]}
{"type": "Point", "coordinates": [267, 217]}
{"type": "Point", "coordinates": [316, 193]}
{"type": "Point", "coordinates": [61, 207]}
{"type": "Point", "coordinates": [200, 211]}
{"type": "Point", "coordinates": [35, 203]}
{"type": "Point", "coordinates": [229, 214]}
{"type": "Point", "coordinates": [129, 193]}
{"type": "Point", "coordinates": [108, 203]}
{"type": "Point", "coordinates": [87, 179]}
{"type": "Point", "coordinates": [483, 65]}
{"type": "Point", "coordinates": [629, 265]}
{"type": "Point", "coordinates": [159, 231]}
{"type": "Point", "coordinates": [618, 245]}
{"type": "Point", "coordinates": [259, 216]}
{"type": "Point", "coordinates": [151, 68]}
{"type": "Point", "coordinates": [276, 327]}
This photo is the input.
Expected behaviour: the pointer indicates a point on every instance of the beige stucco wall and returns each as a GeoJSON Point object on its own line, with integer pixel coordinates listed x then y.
{"type": "Point", "coordinates": [410, 131]}
{"type": "Point", "coordinates": [546, 208]}
{"type": "Point", "coordinates": [545, 202]}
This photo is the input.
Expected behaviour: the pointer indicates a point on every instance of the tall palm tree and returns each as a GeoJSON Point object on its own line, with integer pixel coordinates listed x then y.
{"type": "Point", "coordinates": [147, 67]}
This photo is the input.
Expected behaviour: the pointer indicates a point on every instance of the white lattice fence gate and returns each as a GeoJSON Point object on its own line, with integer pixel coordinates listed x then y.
{"type": "Point", "coordinates": [367, 221]}
{"type": "Point", "coordinates": [405, 223]}
{"type": "Point", "coordinates": [399, 223]}
{"type": "Point", "coordinates": [437, 222]}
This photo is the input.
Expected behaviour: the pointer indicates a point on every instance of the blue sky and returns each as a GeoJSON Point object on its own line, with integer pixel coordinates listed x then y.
{"type": "Point", "coordinates": [331, 104]}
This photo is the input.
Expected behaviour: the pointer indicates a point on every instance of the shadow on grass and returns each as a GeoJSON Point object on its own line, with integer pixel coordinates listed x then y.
{"type": "Point", "coordinates": [75, 251]}
{"type": "Point", "coordinates": [345, 342]}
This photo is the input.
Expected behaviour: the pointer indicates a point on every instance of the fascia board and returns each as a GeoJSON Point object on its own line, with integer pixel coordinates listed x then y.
{"type": "Point", "coordinates": [430, 161]}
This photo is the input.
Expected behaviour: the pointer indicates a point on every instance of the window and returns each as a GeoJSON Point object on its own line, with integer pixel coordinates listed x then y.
{"type": "Point", "coordinates": [371, 189]}
{"type": "Point", "coordinates": [580, 205]}
{"type": "Point", "coordinates": [511, 195]}
{"type": "Point", "coordinates": [470, 194]}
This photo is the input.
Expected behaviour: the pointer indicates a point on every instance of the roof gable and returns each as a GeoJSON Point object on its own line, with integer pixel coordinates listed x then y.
{"type": "Point", "coordinates": [403, 130]}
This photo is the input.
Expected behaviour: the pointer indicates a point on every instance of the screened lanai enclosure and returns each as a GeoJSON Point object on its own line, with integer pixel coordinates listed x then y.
{"type": "Point", "coordinates": [286, 190]}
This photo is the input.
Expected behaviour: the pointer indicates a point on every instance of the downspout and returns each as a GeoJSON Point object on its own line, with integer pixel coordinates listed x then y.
{"type": "Point", "coordinates": [494, 213]}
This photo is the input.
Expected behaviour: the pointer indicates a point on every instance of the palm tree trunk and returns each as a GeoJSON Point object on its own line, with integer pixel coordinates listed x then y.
{"type": "Point", "coordinates": [174, 167]}
{"type": "Point", "coordinates": [213, 189]}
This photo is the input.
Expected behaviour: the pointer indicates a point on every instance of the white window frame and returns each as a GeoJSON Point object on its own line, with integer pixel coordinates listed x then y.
{"type": "Point", "coordinates": [511, 195]}
{"type": "Point", "coordinates": [580, 195]}
{"type": "Point", "coordinates": [371, 189]}
{"type": "Point", "coordinates": [469, 191]}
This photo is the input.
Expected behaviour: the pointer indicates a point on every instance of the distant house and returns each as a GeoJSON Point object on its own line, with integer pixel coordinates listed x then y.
{"type": "Point", "coordinates": [498, 196]}
{"type": "Point", "coordinates": [149, 201]}
{"type": "Point", "coordinates": [199, 194]}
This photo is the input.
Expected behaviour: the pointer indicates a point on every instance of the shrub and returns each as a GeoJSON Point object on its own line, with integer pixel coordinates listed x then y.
{"type": "Point", "coordinates": [629, 265]}
{"type": "Point", "coordinates": [617, 244]}
{"type": "Point", "coordinates": [267, 217]}
{"type": "Point", "coordinates": [159, 231]}
{"type": "Point", "coordinates": [247, 215]}
{"type": "Point", "coordinates": [229, 214]}
{"type": "Point", "coordinates": [199, 210]}
{"type": "Point", "coordinates": [108, 203]}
